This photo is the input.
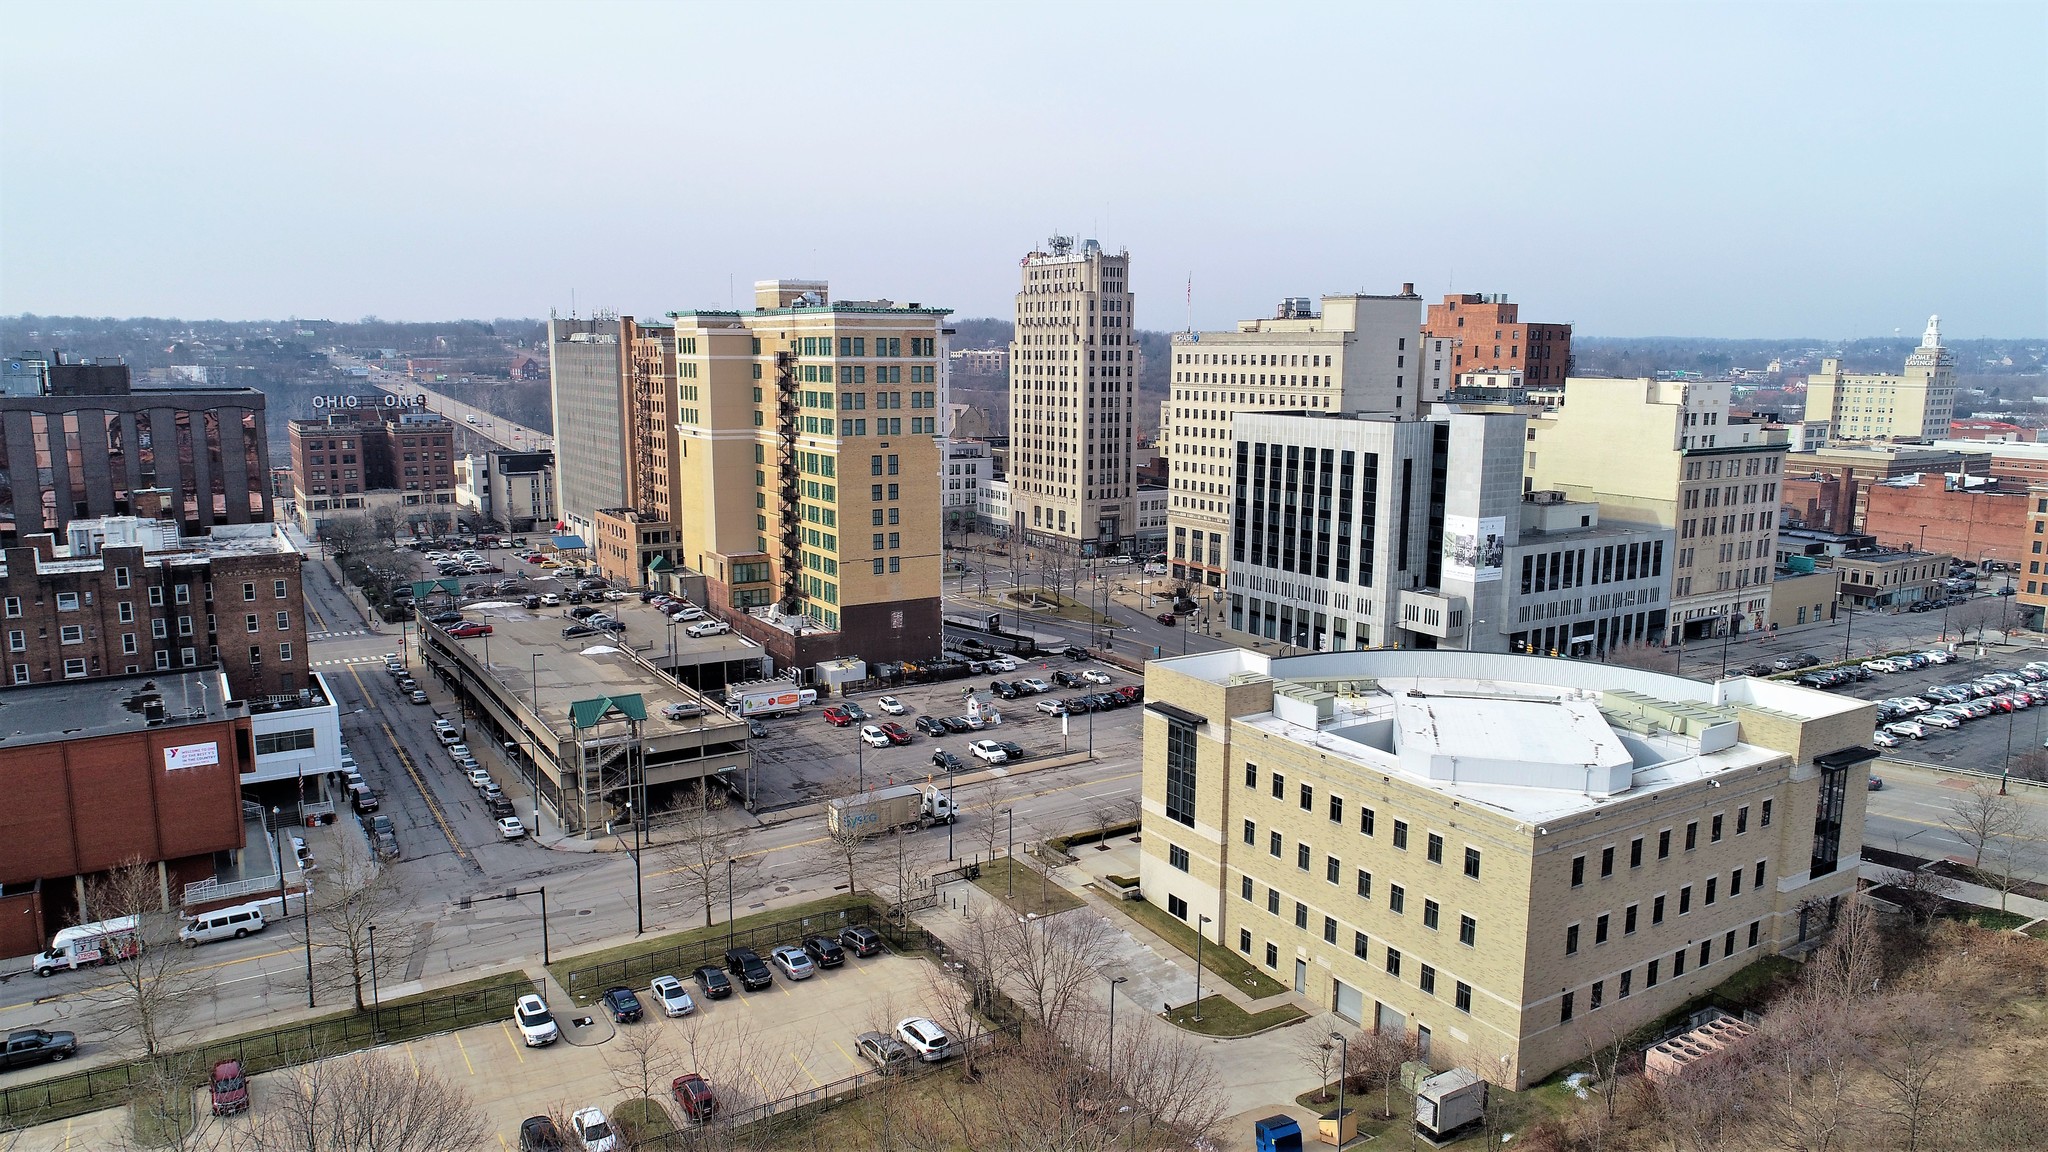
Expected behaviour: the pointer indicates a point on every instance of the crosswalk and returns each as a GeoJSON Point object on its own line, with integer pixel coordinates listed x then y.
{"type": "Point", "coordinates": [338, 634]}
{"type": "Point", "coordinates": [347, 661]}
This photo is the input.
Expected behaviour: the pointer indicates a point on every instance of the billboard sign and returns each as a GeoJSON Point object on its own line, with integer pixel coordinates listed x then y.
{"type": "Point", "coordinates": [1474, 547]}
{"type": "Point", "coordinates": [191, 756]}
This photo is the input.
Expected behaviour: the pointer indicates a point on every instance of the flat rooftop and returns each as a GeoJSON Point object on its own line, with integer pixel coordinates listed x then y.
{"type": "Point", "coordinates": [1528, 736]}
{"type": "Point", "coordinates": [81, 709]}
{"type": "Point", "coordinates": [527, 644]}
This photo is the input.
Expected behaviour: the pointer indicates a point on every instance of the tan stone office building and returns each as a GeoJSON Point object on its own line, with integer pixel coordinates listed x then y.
{"type": "Point", "coordinates": [807, 470]}
{"type": "Point", "coordinates": [1917, 405]}
{"type": "Point", "coordinates": [1503, 856]}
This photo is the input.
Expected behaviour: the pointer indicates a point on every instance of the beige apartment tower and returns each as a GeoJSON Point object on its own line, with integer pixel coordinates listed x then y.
{"type": "Point", "coordinates": [1073, 400]}
{"type": "Point", "coordinates": [1667, 453]}
{"type": "Point", "coordinates": [1506, 858]}
{"type": "Point", "coordinates": [1918, 405]}
{"type": "Point", "coordinates": [1357, 355]}
{"type": "Point", "coordinates": [807, 470]}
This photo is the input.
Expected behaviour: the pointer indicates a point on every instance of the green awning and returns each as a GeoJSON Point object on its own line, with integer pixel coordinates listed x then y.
{"type": "Point", "coordinates": [659, 564]}
{"type": "Point", "coordinates": [586, 713]}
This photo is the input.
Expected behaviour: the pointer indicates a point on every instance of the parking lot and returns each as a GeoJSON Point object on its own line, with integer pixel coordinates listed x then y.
{"type": "Point", "coordinates": [805, 759]}
{"type": "Point", "coordinates": [1979, 744]}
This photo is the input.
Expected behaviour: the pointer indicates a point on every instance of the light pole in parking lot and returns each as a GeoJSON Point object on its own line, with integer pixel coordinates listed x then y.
{"type": "Point", "coordinates": [1199, 922]}
{"type": "Point", "coordinates": [1010, 857]}
{"type": "Point", "coordinates": [860, 753]}
{"type": "Point", "coordinates": [1850, 608]}
{"type": "Point", "coordinates": [1110, 1061]}
{"type": "Point", "coordinates": [729, 862]}
{"type": "Point", "coordinates": [376, 1002]}
{"type": "Point", "coordinates": [639, 910]}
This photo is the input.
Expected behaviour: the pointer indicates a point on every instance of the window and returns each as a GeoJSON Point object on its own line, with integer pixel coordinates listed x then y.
{"type": "Point", "coordinates": [1333, 869]}
{"type": "Point", "coordinates": [156, 599]}
{"type": "Point", "coordinates": [1635, 852]}
{"type": "Point", "coordinates": [1430, 914]}
{"type": "Point", "coordinates": [1393, 962]}
{"type": "Point", "coordinates": [1180, 772]}
{"type": "Point", "coordinates": [271, 743]}
{"type": "Point", "coordinates": [1728, 944]}
{"type": "Point", "coordinates": [248, 591]}
{"type": "Point", "coordinates": [1571, 940]}
{"type": "Point", "coordinates": [1336, 809]}
{"type": "Point", "coordinates": [1401, 835]}
{"type": "Point", "coordinates": [1435, 848]}
{"type": "Point", "coordinates": [1308, 798]}
{"type": "Point", "coordinates": [1468, 931]}
{"type": "Point", "coordinates": [1599, 993]}
{"type": "Point", "coordinates": [1657, 910]}
{"type": "Point", "coordinates": [1245, 887]}
{"type": "Point", "coordinates": [1464, 997]}
{"type": "Point", "coordinates": [1685, 900]}
{"type": "Point", "coordinates": [1472, 862]}
{"type": "Point", "coordinates": [13, 606]}
{"type": "Point", "coordinates": [1578, 871]}
{"type": "Point", "coordinates": [74, 668]}
{"type": "Point", "coordinates": [1272, 955]}
{"type": "Point", "coordinates": [127, 612]}
{"type": "Point", "coordinates": [128, 648]}
{"type": "Point", "coordinates": [1397, 899]}
{"type": "Point", "coordinates": [1273, 844]}
{"type": "Point", "coordinates": [277, 589]}
{"type": "Point", "coordinates": [1755, 927]}
{"type": "Point", "coordinates": [252, 623]}
{"type": "Point", "coordinates": [284, 653]}
{"type": "Point", "coordinates": [1177, 906]}
{"type": "Point", "coordinates": [1329, 930]}
{"type": "Point", "coordinates": [1301, 855]}
{"type": "Point", "coordinates": [1279, 786]}
{"type": "Point", "coordinates": [1607, 861]}
{"type": "Point", "coordinates": [1365, 821]}
{"type": "Point", "coordinates": [1359, 945]}
{"type": "Point", "coordinates": [1650, 977]}
{"type": "Point", "coordinates": [182, 593]}
{"type": "Point", "coordinates": [21, 673]}
{"type": "Point", "coordinates": [1177, 857]}
{"type": "Point", "coordinates": [1564, 1009]}
{"type": "Point", "coordinates": [1714, 829]}
{"type": "Point", "coordinates": [1759, 875]}
{"type": "Point", "coordinates": [1251, 775]}
{"type": "Point", "coordinates": [1364, 884]}
{"type": "Point", "coordinates": [1706, 952]}
{"type": "Point", "coordinates": [1600, 929]}
{"type": "Point", "coordinates": [1664, 844]}
{"type": "Point", "coordinates": [1735, 883]}
{"type": "Point", "coordinates": [1300, 914]}
{"type": "Point", "coordinates": [71, 634]}
{"type": "Point", "coordinates": [1628, 920]}
{"type": "Point", "coordinates": [1763, 815]}
{"type": "Point", "coordinates": [17, 640]}
{"type": "Point", "coordinates": [1622, 993]}
{"type": "Point", "coordinates": [1711, 882]}
{"type": "Point", "coordinates": [1429, 980]}
{"type": "Point", "coordinates": [1692, 835]}
{"type": "Point", "coordinates": [1742, 820]}
{"type": "Point", "coordinates": [121, 577]}
{"type": "Point", "coordinates": [1244, 941]}
{"type": "Point", "coordinates": [1273, 901]}
{"type": "Point", "coordinates": [1251, 832]}
{"type": "Point", "coordinates": [67, 601]}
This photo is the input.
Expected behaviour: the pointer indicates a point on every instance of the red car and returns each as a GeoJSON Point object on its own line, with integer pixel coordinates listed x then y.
{"type": "Point", "coordinates": [839, 717]}
{"type": "Point", "coordinates": [695, 1095]}
{"type": "Point", "coordinates": [1166, 618]}
{"type": "Point", "coordinates": [229, 1089]}
{"type": "Point", "coordinates": [469, 628]}
{"type": "Point", "coordinates": [1129, 693]}
{"type": "Point", "coordinates": [897, 733]}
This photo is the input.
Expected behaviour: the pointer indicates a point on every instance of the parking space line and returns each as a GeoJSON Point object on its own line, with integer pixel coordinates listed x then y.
{"type": "Point", "coordinates": [815, 1082]}
{"type": "Point", "coordinates": [409, 1055]}
{"type": "Point", "coordinates": [765, 1093]}
{"type": "Point", "coordinates": [464, 1049]}
{"type": "Point", "coordinates": [844, 1052]}
{"type": "Point", "coordinates": [517, 1045]}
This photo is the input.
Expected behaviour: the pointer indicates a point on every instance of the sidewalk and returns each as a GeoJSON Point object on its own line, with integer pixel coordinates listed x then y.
{"type": "Point", "coordinates": [1976, 894]}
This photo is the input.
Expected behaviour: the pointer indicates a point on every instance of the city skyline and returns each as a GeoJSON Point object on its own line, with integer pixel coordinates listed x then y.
{"type": "Point", "coordinates": [1680, 171]}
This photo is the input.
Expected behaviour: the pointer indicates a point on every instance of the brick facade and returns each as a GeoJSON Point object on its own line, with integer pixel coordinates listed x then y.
{"type": "Point", "coordinates": [1968, 525]}
{"type": "Point", "coordinates": [1492, 338]}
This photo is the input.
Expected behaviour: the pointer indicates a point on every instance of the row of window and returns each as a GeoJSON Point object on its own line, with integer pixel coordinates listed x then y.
{"type": "Point", "coordinates": [1368, 821]}
{"type": "Point", "coordinates": [1631, 914]}
{"type": "Point", "coordinates": [76, 667]}
{"type": "Point", "coordinates": [17, 638]}
{"type": "Point", "coordinates": [1716, 828]}
{"type": "Point", "coordinates": [1596, 996]}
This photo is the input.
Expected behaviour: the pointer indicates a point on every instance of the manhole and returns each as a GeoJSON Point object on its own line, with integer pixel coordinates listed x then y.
{"type": "Point", "coordinates": [782, 889]}
{"type": "Point", "coordinates": [583, 911]}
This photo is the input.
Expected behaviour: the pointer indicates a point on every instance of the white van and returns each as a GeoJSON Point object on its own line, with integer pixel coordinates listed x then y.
{"type": "Point", "coordinates": [222, 924]}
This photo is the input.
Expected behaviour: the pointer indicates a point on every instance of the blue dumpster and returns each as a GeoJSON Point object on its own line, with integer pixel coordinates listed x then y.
{"type": "Point", "coordinates": [1277, 1134]}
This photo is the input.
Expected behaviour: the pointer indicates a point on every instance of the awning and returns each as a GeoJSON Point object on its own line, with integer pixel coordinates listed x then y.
{"type": "Point", "coordinates": [1173, 713]}
{"type": "Point", "coordinates": [586, 713]}
{"type": "Point", "coordinates": [568, 543]}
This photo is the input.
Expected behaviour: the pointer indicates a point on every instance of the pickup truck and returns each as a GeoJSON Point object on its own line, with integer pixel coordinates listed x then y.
{"type": "Point", "coordinates": [35, 1046]}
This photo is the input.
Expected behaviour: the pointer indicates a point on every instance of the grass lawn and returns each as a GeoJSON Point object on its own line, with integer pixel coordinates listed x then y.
{"type": "Point", "coordinates": [1220, 1017]}
{"type": "Point", "coordinates": [2039, 931]}
{"type": "Point", "coordinates": [1034, 894]}
{"type": "Point", "coordinates": [1215, 957]}
{"type": "Point", "coordinates": [1052, 604]}
{"type": "Point", "coordinates": [645, 1119]}
{"type": "Point", "coordinates": [697, 942]}
{"type": "Point", "coordinates": [1753, 982]}
{"type": "Point", "coordinates": [1995, 920]}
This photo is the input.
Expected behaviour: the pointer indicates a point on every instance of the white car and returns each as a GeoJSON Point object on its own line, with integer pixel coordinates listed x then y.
{"type": "Point", "coordinates": [459, 751]}
{"type": "Point", "coordinates": [1940, 720]}
{"type": "Point", "coordinates": [443, 724]}
{"type": "Point", "coordinates": [590, 1126]}
{"type": "Point", "coordinates": [1911, 728]}
{"type": "Point", "coordinates": [672, 996]}
{"type": "Point", "coordinates": [1053, 707]}
{"type": "Point", "coordinates": [708, 628]}
{"type": "Point", "coordinates": [925, 1038]}
{"type": "Point", "coordinates": [478, 777]}
{"type": "Point", "coordinates": [536, 1024]}
{"type": "Point", "coordinates": [891, 705]}
{"type": "Point", "coordinates": [447, 736]}
{"type": "Point", "coordinates": [873, 737]}
{"type": "Point", "coordinates": [1884, 739]}
{"type": "Point", "coordinates": [687, 613]}
{"type": "Point", "coordinates": [1939, 656]}
{"type": "Point", "coordinates": [550, 600]}
{"type": "Point", "coordinates": [1002, 664]}
{"type": "Point", "coordinates": [794, 962]}
{"type": "Point", "coordinates": [1879, 666]}
{"type": "Point", "coordinates": [1035, 684]}
{"type": "Point", "coordinates": [988, 751]}
{"type": "Point", "coordinates": [1094, 677]}
{"type": "Point", "coordinates": [510, 828]}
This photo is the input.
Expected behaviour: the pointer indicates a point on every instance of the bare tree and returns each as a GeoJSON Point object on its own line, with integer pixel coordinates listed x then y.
{"type": "Point", "coordinates": [641, 1061]}
{"type": "Point", "coordinates": [1645, 656]}
{"type": "Point", "coordinates": [151, 994]}
{"type": "Point", "coordinates": [701, 850]}
{"type": "Point", "coordinates": [1977, 614]}
{"type": "Point", "coordinates": [987, 811]}
{"type": "Point", "coordinates": [1983, 816]}
{"type": "Point", "coordinates": [1375, 1062]}
{"type": "Point", "coordinates": [1172, 1083]}
{"type": "Point", "coordinates": [1050, 962]}
{"type": "Point", "coordinates": [1912, 1050]}
{"type": "Point", "coordinates": [847, 850]}
{"type": "Point", "coordinates": [1851, 964]}
{"type": "Point", "coordinates": [1314, 1051]}
{"type": "Point", "coordinates": [950, 999]}
{"type": "Point", "coordinates": [2004, 868]}
{"type": "Point", "coordinates": [355, 893]}
{"type": "Point", "coordinates": [367, 1102]}
{"type": "Point", "coordinates": [1701, 1106]}
{"type": "Point", "coordinates": [164, 1110]}
{"type": "Point", "coordinates": [1921, 896]}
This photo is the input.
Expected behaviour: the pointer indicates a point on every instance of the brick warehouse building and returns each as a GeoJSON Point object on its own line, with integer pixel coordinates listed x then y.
{"type": "Point", "coordinates": [99, 444]}
{"type": "Point", "coordinates": [1491, 337]}
{"type": "Point", "coordinates": [126, 595]}
{"type": "Point", "coordinates": [372, 455]}
{"type": "Point", "coordinates": [100, 772]}
{"type": "Point", "coordinates": [1981, 522]}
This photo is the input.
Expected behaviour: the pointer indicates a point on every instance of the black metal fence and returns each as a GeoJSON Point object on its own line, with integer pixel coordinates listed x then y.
{"type": "Point", "coordinates": [97, 1088]}
{"type": "Point", "coordinates": [586, 984]}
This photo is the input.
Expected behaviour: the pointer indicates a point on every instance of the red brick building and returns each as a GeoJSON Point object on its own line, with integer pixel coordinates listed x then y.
{"type": "Point", "coordinates": [340, 459]}
{"type": "Point", "coordinates": [1977, 524]}
{"type": "Point", "coordinates": [127, 595]}
{"type": "Point", "coordinates": [1491, 337]}
{"type": "Point", "coordinates": [100, 772]}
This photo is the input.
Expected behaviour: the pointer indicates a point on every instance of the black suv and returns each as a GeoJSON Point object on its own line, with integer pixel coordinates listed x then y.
{"type": "Point", "coordinates": [825, 951]}
{"type": "Point", "coordinates": [622, 1004]}
{"type": "Point", "coordinates": [753, 974]}
{"type": "Point", "coordinates": [711, 980]}
{"type": "Point", "coordinates": [1004, 689]}
{"type": "Point", "coordinates": [863, 940]}
{"type": "Point", "coordinates": [1065, 679]}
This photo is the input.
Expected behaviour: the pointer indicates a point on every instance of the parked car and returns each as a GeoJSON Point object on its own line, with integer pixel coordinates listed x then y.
{"type": "Point", "coordinates": [746, 964]}
{"type": "Point", "coordinates": [987, 751]}
{"type": "Point", "coordinates": [537, 1027]}
{"type": "Point", "coordinates": [575, 630]}
{"type": "Point", "coordinates": [711, 981]}
{"type": "Point", "coordinates": [862, 940]}
{"type": "Point", "coordinates": [1034, 685]}
{"type": "Point", "coordinates": [694, 1094]}
{"type": "Point", "coordinates": [896, 733]}
{"type": "Point", "coordinates": [1908, 728]}
{"type": "Point", "coordinates": [704, 628]}
{"type": "Point", "coordinates": [931, 725]}
{"type": "Point", "coordinates": [837, 717]}
{"type": "Point", "coordinates": [794, 962]}
{"type": "Point", "coordinates": [873, 737]}
{"type": "Point", "coordinates": [1053, 707]}
{"type": "Point", "coordinates": [622, 1004]}
{"type": "Point", "coordinates": [1884, 739]}
{"type": "Point", "coordinates": [825, 951]}
{"type": "Point", "coordinates": [1167, 618]}
{"type": "Point", "coordinates": [470, 628]}
{"type": "Point", "coordinates": [1095, 677]}
{"type": "Point", "coordinates": [886, 1053]}
{"type": "Point", "coordinates": [947, 762]}
{"type": "Point", "coordinates": [1940, 719]}
{"type": "Point", "coordinates": [1793, 661]}
{"type": "Point", "coordinates": [228, 1088]}
{"type": "Point", "coordinates": [1004, 689]}
{"type": "Point", "coordinates": [956, 724]}
{"type": "Point", "coordinates": [925, 1038]}
{"type": "Point", "coordinates": [1876, 782]}
{"type": "Point", "coordinates": [891, 705]}
{"type": "Point", "coordinates": [417, 696]}
{"type": "Point", "coordinates": [539, 1134]}
{"type": "Point", "coordinates": [509, 828]}
{"type": "Point", "coordinates": [1066, 679]}
{"type": "Point", "coordinates": [756, 729]}
{"type": "Point", "coordinates": [671, 996]}
{"type": "Point", "coordinates": [445, 618]}
{"type": "Point", "coordinates": [594, 1130]}
{"type": "Point", "coordinates": [1011, 749]}
{"type": "Point", "coordinates": [28, 1046]}
{"type": "Point", "coordinates": [854, 710]}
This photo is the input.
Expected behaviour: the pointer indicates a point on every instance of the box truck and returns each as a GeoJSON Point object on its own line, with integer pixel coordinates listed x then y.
{"type": "Point", "coordinates": [883, 809]}
{"type": "Point", "coordinates": [95, 943]}
{"type": "Point", "coordinates": [751, 702]}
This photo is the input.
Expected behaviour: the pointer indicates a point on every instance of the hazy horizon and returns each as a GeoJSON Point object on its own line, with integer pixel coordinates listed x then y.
{"type": "Point", "coordinates": [1706, 171]}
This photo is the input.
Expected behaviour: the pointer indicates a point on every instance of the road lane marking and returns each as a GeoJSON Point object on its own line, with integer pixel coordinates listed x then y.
{"type": "Point", "coordinates": [405, 760]}
{"type": "Point", "coordinates": [517, 1045]}
{"type": "Point", "coordinates": [200, 968]}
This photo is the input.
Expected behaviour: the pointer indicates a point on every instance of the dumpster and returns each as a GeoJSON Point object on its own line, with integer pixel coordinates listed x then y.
{"type": "Point", "coordinates": [1339, 1127]}
{"type": "Point", "coordinates": [1277, 1134]}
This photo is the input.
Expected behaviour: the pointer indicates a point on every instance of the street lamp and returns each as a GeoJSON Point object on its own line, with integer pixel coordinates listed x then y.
{"type": "Point", "coordinates": [639, 911]}
{"type": "Point", "coordinates": [1199, 921]}
{"type": "Point", "coordinates": [284, 907]}
{"type": "Point", "coordinates": [729, 862]}
{"type": "Point", "coordinates": [1010, 857]}
{"type": "Point", "coordinates": [860, 772]}
{"type": "Point", "coordinates": [376, 1002]}
{"type": "Point", "coordinates": [951, 814]}
{"type": "Point", "coordinates": [1850, 629]}
{"type": "Point", "coordinates": [1110, 1063]}
{"type": "Point", "coordinates": [1343, 1071]}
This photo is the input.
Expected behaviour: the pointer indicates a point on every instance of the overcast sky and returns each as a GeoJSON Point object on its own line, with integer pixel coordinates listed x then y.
{"type": "Point", "coordinates": [1635, 169]}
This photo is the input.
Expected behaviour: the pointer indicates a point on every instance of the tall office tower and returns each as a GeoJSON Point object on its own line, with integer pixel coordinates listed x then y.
{"type": "Point", "coordinates": [78, 441]}
{"type": "Point", "coordinates": [632, 538]}
{"type": "Point", "coordinates": [587, 371]}
{"type": "Point", "coordinates": [1667, 452]}
{"type": "Point", "coordinates": [809, 470]}
{"type": "Point", "coordinates": [1358, 354]}
{"type": "Point", "coordinates": [1073, 399]}
{"type": "Point", "coordinates": [1485, 333]}
{"type": "Point", "coordinates": [1915, 406]}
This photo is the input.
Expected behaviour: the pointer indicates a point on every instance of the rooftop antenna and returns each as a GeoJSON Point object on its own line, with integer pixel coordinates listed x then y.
{"type": "Point", "coordinates": [572, 303]}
